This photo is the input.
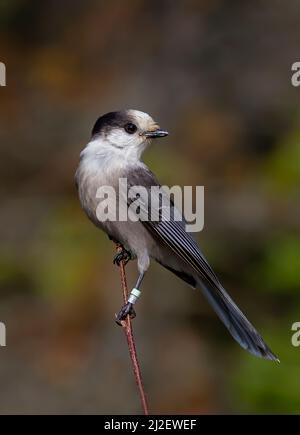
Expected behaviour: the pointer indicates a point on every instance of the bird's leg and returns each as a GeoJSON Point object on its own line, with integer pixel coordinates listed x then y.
{"type": "Point", "coordinates": [127, 309]}
{"type": "Point", "coordinates": [124, 256]}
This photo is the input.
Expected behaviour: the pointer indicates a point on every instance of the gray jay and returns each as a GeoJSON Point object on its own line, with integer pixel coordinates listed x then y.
{"type": "Point", "coordinates": [113, 152]}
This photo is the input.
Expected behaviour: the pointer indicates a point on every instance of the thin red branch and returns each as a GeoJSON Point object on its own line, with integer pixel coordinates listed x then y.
{"type": "Point", "coordinates": [127, 327]}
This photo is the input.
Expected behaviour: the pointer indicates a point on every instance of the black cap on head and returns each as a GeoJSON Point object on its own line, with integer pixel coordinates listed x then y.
{"type": "Point", "coordinates": [109, 120]}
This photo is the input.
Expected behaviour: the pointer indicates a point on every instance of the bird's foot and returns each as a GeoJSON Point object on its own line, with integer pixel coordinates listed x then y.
{"type": "Point", "coordinates": [124, 256]}
{"type": "Point", "coordinates": [126, 310]}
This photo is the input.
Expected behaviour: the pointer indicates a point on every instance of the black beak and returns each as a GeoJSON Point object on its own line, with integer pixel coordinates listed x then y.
{"type": "Point", "coordinates": [155, 134]}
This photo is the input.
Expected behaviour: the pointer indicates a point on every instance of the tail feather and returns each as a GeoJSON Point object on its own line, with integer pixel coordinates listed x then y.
{"type": "Point", "coordinates": [235, 321]}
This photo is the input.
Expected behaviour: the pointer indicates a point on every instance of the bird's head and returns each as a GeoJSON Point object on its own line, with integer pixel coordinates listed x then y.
{"type": "Point", "coordinates": [127, 132]}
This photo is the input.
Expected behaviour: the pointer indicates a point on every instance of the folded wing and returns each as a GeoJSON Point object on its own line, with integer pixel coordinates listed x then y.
{"type": "Point", "coordinates": [172, 233]}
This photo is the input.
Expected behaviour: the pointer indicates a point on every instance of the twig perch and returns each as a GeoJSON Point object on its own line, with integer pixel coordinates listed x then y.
{"type": "Point", "coordinates": [127, 327]}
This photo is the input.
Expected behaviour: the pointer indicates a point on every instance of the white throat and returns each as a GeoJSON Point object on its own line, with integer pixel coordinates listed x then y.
{"type": "Point", "coordinates": [101, 154]}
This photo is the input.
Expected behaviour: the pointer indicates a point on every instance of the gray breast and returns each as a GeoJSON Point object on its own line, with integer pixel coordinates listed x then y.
{"type": "Point", "coordinates": [133, 235]}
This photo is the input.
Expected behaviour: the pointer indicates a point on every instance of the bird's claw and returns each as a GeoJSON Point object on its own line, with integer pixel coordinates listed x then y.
{"type": "Point", "coordinates": [126, 310]}
{"type": "Point", "coordinates": [124, 256]}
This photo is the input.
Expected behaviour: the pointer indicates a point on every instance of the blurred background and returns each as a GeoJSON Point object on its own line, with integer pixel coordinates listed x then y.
{"type": "Point", "coordinates": [218, 77]}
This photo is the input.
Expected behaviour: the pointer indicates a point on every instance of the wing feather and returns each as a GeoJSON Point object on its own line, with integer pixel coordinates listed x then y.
{"type": "Point", "coordinates": [172, 234]}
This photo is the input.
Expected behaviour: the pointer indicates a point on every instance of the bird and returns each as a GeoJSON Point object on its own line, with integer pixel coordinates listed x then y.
{"type": "Point", "coordinates": [114, 152]}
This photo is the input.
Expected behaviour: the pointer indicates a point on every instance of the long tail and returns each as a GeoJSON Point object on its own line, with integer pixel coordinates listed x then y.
{"type": "Point", "coordinates": [235, 321]}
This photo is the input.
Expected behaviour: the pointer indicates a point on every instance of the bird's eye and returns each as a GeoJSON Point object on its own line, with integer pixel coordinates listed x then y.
{"type": "Point", "coordinates": [130, 128]}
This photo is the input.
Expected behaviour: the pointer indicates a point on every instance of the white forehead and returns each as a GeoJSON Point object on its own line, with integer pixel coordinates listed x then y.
{"type": "Point", "coordinates": [143, 120]}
